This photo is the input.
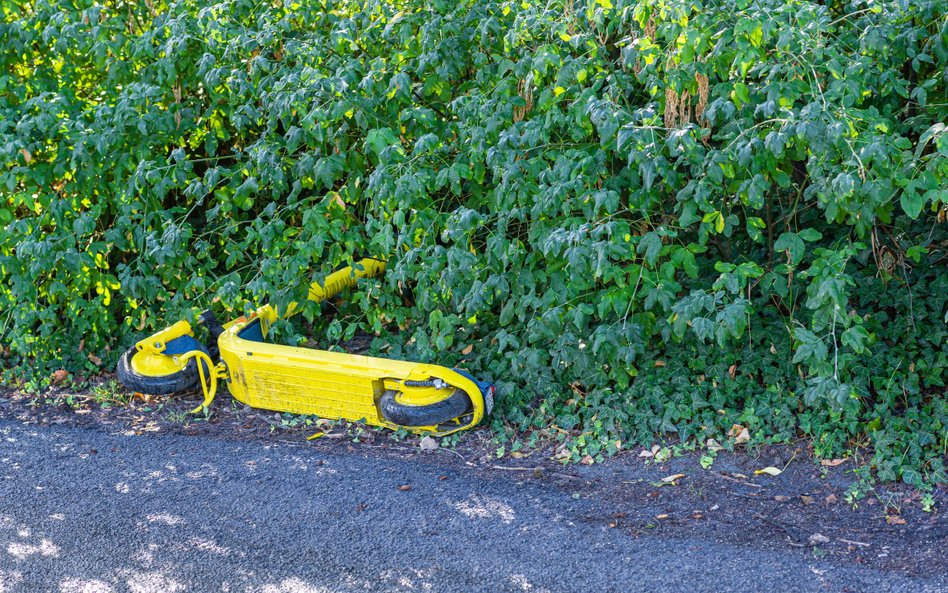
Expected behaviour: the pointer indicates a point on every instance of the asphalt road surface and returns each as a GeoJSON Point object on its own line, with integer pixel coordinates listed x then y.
{"type": "Point", "coordinates": [87, 511]}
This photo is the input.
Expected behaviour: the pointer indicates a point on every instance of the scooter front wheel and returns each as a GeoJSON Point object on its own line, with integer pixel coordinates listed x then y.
{"type": "Point", "coordinates": [455, 405]}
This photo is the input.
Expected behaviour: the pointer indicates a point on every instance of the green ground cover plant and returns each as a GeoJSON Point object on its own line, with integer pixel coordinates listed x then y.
{"type": "Point", "coordinates": [641, 217]}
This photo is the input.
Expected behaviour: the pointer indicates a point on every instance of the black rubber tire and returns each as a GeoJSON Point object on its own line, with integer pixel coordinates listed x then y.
{"type": "Point", "coordinates": [183, 380]}
{"type": "Point", "coordinates": [457, 404]}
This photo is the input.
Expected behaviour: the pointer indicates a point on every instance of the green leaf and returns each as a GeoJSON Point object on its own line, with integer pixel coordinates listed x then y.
{"type": "Point", "coordinates": [811, 348]}
{"type": "Point", "coordinates": [686, 261]}
{"type": "Point", "coordinates": [792, 244]}
{"type": "Point", "coordinates": [810, 235]}
{"type": "Point", "coordinates": [754, 226]}
{"type": "Point", "coordinates": [741, 94]}
{"type": "Point", "coordinates": [703, 327]}
{"type": "Point", "coordinates": [912, 202]}
{"type": "Point", "coordinates": [855, 337]}
{"type": "Point", "coordinates": [650, 246]}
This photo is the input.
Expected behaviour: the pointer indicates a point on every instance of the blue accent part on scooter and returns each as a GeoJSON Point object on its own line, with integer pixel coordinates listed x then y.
{"type": "Point", "coordinates": [183, 345]}
{"type": "Point", "coordinates": [252, 332]}
{"type": "Point", "coordinates": [486, 387]}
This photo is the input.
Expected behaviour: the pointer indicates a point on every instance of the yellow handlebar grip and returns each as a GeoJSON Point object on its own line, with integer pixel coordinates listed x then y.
{"type": "Point", "coordinates": [345, 278]}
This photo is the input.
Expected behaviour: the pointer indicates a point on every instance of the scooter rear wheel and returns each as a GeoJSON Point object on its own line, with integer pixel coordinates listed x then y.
{"type": "Point", "coordinates": [455, 405]}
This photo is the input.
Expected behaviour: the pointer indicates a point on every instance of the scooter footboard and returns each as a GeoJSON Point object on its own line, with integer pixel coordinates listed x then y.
{"type": "Point", "coordinates": [335, 385]}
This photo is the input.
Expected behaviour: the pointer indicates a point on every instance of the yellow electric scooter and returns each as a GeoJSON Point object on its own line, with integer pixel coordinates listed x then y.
{"type": "Point", "coordinates": [422, 398]}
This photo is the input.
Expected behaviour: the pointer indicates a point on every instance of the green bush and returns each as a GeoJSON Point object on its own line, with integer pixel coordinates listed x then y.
{"type": "Point", "coordinates": [647, 216]}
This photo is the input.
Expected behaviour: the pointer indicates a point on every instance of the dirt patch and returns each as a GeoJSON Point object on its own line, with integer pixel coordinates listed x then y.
{"type": "Point", "coordinates": [805, 507]}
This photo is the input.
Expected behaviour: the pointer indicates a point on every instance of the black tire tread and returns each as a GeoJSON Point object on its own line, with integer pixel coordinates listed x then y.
{"type": "Point", "coordinates": [183, 380]}
{"type": "Point", "coordinates": [455, 405]}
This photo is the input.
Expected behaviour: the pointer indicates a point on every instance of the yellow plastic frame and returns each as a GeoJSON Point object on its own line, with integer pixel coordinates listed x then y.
{"type": "Point", "coordinates": [331, 385]}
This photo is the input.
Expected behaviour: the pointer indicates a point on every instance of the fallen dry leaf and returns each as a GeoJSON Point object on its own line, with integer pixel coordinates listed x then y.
{"type": "Point", "coordinates": [781, 498]}
{"type": "Point", "coordinates": [26, 155]}
{"type": "Point", "coordinates": [650, 453]}
{"type": "Point", "coordinates": [671, 480]}
{"type": "Point", "coordinates": [662, 516]}
{"type": "Point", "coordinates": [769, 470]}
{"type": "Point", "coordinates": [895, 520]}
{"type": "Point", "coordinates": [807, 500]}
{"type": "Point", "coordinates": [739, 433]}
{"type": "Point", "coordinates": [467, 350]}
{"type": "Point", "coordinates": [587, 460]}
{"type": "Point", "coordinates": [831, 499]}
{"type": "Point", "coordinates": [94, 360]}
{"type": "Point", "coordinates": [404, 487]}
{"type": "Point", "coordinates": [659, 363]}
{"type": "Point", "coordinates": [832, 462]}
{"type": "Point", "coordinates": [60, 376]}
{"type": "Point", "coordinates": [732, 370]}
{"type": "Point", "coordinates": [818, 538]}
{"type": "Point", "coordinates": [713, 445]}
{"type": "Point", "coordinates": [428, 444]}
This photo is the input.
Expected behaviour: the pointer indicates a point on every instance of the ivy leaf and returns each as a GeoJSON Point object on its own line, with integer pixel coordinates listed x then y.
{"type": "Point", "coordinates": [855, 337]}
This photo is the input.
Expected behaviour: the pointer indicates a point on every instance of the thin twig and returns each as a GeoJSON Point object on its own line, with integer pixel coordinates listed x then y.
{"type": "Point", "coordinates": [727, 477]}
{"type": "Point", "coordinates": [853, 542]}
{"type": "Point", "coordinates": [513, 469]}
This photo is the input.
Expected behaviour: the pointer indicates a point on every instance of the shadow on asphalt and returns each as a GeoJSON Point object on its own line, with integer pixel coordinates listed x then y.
{"type": "Point", "coordinates": [86, 510]}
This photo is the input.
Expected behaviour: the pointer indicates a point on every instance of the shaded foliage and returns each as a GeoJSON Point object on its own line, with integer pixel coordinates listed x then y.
{"type": "Point", "coordinates": [751, 193]}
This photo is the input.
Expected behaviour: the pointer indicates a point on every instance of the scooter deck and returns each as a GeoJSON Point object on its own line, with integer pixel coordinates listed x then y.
{"type": "Point", "coordinates": [329, 384]}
